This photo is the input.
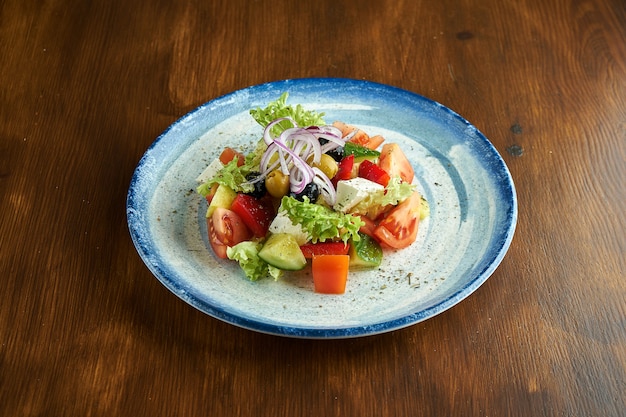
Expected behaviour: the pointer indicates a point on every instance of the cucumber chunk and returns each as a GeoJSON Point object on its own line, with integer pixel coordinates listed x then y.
{"type": "Point", "coordinates": [282, 251]}
{"type": "Point", "coordinates": [360, 152]}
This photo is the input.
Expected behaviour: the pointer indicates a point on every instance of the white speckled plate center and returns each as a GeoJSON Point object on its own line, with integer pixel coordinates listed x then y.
{"type": "Point", "coordinates": [469, 189]}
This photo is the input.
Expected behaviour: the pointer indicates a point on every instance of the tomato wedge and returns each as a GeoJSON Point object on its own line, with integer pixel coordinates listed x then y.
{"type": "Point", "coordinates": [330, 273]}
{"type": "Point", "coordinates": [256, 214]}
{"type": "Point", "coordinates": [371, 171]}
{"type": "Point", "coordinates": [324, 248]}
{"type": "Point", "coordinates": [225, 229]}
{"type": "Point", "coordinates": [399, 228]}
{"type": "Point", "coordinates": [228, 154]}
{"type": "Point", "coordinates": [395, 162]}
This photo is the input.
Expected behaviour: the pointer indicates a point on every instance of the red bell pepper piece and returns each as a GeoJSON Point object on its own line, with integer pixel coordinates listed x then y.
{"type": "Point", "coordinates": [309, 250]}
{"type": "Point", "coordinates": [344, 169]}
{"type": "Point", "coordinates": [371, 171]}
{"type": "Point", "coordinates": [257, 214]}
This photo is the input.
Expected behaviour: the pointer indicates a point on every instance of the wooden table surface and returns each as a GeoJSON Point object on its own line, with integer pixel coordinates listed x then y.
{"type": "Point", "coordinates": [87, 86]}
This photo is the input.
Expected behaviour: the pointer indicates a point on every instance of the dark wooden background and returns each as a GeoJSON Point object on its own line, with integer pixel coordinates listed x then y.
{"type": "Point", "coordinates": [87, 86]}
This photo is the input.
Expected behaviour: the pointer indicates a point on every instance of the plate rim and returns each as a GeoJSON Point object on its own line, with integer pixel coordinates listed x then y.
{"type": "Point", "coordinates": [161, 272]}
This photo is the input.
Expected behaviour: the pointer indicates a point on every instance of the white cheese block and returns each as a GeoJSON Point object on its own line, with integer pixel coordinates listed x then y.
{"type": "Point", "coordinates": [210, 171]}
{"type": "Point", "coordinates": [282, 224]}
{"type": "Point", "coordinates": [352, 192]}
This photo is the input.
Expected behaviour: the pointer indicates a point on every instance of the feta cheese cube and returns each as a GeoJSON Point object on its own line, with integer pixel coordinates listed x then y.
{"type": "Point", "coordinates": [210, 171]}
{"type": "Point", "coordinates": [282, 224]}
{"type": "Point", "coordinates": [352, 192]}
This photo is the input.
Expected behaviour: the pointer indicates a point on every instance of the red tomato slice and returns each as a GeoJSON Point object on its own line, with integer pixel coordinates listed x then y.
{"type": "Point", "coordinates": [399, 228]}
{"type": "Point", "coordinates": [395, 162]}
{"type": "Point", "coordinates": [257, 214]}
{"type": "Point", "coordinates": [371, 171]}
{"type": "Point", "coordinates": [330, 273]}
{"type": "Point", "coordinates": [225, 229]}
{"type": "Point", "coordinates": [310, 250]}
{"type": "Point", "coordinates": [344, 169]}
{"type": "Point", "coordinates": [228, 154]}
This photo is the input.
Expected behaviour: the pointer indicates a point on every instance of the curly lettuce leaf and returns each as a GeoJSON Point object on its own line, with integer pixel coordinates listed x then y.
{"type": "Point", "coordinates": [253, 159]}
{"type": "Point", "coordinates": [320, 222]}
{"type": "Point", "coordinates": [255, 268]}
{"type": "Point", "coordinates": [424, 208]}
{"type": "Point", "coordinates": [231, 175]}
{"type": "Point", "coordinates": [279, 108]}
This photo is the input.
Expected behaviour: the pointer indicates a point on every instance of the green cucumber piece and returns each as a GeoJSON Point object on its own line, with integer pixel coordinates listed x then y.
{"type": "Point", "coordinates": [360, 152]}
{"type": "Point", "coordinates": [365, 253]}
{"type": "Point", "coordinates": [281, 250]}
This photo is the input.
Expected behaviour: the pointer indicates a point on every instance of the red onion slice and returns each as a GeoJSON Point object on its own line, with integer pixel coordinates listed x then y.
{"type": "Point", "coordinates": [329, 194]}
{"type": "Point", "coordinates": [293, 148]}
{"type": "Point", "coordinates": [267, 133]}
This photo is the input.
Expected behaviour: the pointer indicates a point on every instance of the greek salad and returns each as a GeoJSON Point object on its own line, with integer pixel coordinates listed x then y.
{"type": "Point", "coordinates": [328, 195]}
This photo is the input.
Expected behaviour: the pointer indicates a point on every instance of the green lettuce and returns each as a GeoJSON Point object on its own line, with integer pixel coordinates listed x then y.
{"type": "Point", "coordinates": [253, 159]}
{"type": "Point", "coordinates": [232, 176]}
{"type": "Point", "coordinates": [280, 108]}
{"type": "Point", "coordinates": [377, 202]}
{"type": "Point", "coordinates": [424, 208]}
{"type": "Point", "coordinates": [321, 222]}
{"type": "Point", "coordinates": [247, 254]}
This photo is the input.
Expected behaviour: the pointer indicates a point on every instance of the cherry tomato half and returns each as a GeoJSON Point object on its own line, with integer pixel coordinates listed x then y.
{"type": "Point", "coordinates": [225, 229]}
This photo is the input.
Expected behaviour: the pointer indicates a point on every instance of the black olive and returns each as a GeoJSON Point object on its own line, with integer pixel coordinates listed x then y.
{"type": "Point", "coordinates": [337, 154]}
{"type": "Point", "coordinates": [259, 186]}
{"type": "Point", "coordinates": [311, 191]}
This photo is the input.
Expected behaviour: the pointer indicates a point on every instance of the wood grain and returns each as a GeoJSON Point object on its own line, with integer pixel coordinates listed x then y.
{"type": "Point", "coordinates": [85, 329]}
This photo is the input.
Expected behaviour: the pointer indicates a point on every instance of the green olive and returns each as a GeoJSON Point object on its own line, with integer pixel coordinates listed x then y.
{"type": "Point", "coordinates": [327, 165]}
{"type": "Point", "coordinates": [277, 183]}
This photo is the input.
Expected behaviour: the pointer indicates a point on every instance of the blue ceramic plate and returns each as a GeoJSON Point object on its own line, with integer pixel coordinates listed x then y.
{"type": "Point", "coordinates": [473, 213]}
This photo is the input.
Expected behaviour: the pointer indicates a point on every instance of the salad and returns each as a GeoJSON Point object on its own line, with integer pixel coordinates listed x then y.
{"type": "Point", "coordinates": [331, 196]}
